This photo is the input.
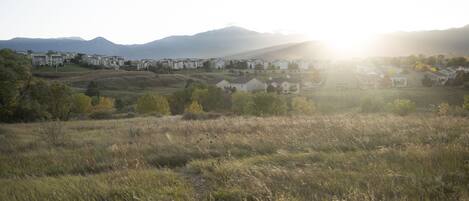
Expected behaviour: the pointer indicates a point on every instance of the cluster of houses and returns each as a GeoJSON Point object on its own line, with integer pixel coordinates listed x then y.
{"type": "Point", "coordinates": [374, 77]}
{"type": "Point", "coordinates": [59, 59]}
{"type": "Point", "coordinates": [111, 62]}
{"type": "Point", "coordinates": [220, 63]}
{"type": "Point", "coordinates": [55, 59]}
{"type": "Point", "coordinates": [285, 85]}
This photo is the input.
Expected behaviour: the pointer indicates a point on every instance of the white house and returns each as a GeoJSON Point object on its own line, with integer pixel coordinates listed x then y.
{"type": "Point", "coordinates": [219, 64]}
{"type": "Point", "coordinates": [39, 59]}
{"type": "Point", "coordinates": [286, 85]}
{"type": "Point", "coordinates": [281, 64]}
{"type": "Point", "coordinates": [398, 81]}
{"type": "Point", "coordinates": [56, 60]}
{"type": "Point", "coordinates": [243, 84]}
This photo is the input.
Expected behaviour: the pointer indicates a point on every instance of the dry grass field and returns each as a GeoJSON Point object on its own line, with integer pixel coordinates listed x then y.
{"type": "Point", "coordinates": [322, 157]}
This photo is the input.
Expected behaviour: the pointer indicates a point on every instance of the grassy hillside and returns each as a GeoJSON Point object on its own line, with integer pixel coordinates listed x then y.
{"type": "Point", "coordinates": [131, 83]}
{"type": "Point", "coordinates": [333, 157]}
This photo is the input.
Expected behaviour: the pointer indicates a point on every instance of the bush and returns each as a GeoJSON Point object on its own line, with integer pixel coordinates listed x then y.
{"type": "Point", "coordinates": [153, 103]}
{"type": "Point", "coordinates": [301, 105]}
{"type": "Point", "coordinates": [194, 108]}
{"type": "Point", "coordinates": [200, 116]}
{"type": "Point", "coordinates": [402, 107]}
{"type": "Point", "coordinates": [269, 104]}
{"type": "Point", "coordinates": [466, 102]}
{"type": "Point", "coordinates": [101, 115]}
{"type": "Point", "coordinates": [81, 104]}
{"type": "Point", "coordinates": [443, 109]}
{"type": "Point", "coordinates": [104, 104]}
{"type": "Point", "coordinates": [52, 132]}
{"type": "Point", "coordinates": [242, 103]}
{"type": "Point", "coordinates": [370, 105]}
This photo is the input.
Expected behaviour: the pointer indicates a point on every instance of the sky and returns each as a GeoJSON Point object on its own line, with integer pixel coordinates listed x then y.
{"type": "Point", "coordinates": [141, 21]}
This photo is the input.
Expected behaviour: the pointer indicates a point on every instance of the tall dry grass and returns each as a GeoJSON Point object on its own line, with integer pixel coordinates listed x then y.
{"type": "Point", "coordinates": [323, 157]}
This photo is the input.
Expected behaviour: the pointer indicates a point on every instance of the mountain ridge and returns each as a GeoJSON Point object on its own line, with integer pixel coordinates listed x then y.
{"type": "Point", "coordinates": [213, 43]}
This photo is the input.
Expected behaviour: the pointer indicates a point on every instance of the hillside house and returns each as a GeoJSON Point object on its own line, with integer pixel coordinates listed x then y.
{"type": "Point", "coordinates": [398, 81]}
{"type": "Point", "coordinates": [437, 78]}
{"type": "Point", "coordinates": [56, 60]}
{"type": "Point", "coordinates": [39, 59]}
{"type": "Point", "coordinates": [281, 64]}
{"type": "Point", "coordinates": [219, 64]}
{"type": "Point", "coordinates": [286, 85]}
{"type": "Point", "coordinates": [243, 84]}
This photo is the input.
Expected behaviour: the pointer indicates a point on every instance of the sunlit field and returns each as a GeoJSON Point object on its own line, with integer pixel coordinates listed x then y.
{"type": "Point", "coordinates": [319, 157]}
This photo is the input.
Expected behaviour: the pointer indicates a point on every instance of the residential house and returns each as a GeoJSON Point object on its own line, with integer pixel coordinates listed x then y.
{"type": "Point", "coordinates": [56, 60]}
{"type": "Point", "coordinates": [437, 78]}
{"type": "Point", "coordinates": [243, 84]}
{"type": "Point", "coordinates": [398, 81]}
{"type": "Point", "coordinates": [281, 64]}
{"type": "Point", "coordinates": [219, 64]}
{"type": "Point", "coordinates": [39, 59]}
{"type": "Point", "coordinates": [286, 85]}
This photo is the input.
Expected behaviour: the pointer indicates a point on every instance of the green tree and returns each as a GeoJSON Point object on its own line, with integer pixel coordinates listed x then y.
{"type": "Point", "coordinates": [153, 103]}
{"type": "Point", "coordinates": [81, 104]}
{"type": "Point", "coordinates": [59, 100]}
{"type": "Point", "coordinates": [15, 77]}
{"type": "Point", "coordinates": [92, 89]}
{"type": "Point", "coordinates": [242, 103]}
{"type": "Point", "coordinates": [402, 107]}
{"type": "Point", "coordinates": [269, 104]}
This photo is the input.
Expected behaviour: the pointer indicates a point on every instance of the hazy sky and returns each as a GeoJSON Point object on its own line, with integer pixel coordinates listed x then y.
{"type": "Point", "coordinates": [140, 21]}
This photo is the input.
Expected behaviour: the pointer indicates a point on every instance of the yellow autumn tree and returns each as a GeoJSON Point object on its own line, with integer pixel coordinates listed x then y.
{"type": "Point", "coordinates": [104, 104]}
{"type": "Point", "coordinates": [195, 108]}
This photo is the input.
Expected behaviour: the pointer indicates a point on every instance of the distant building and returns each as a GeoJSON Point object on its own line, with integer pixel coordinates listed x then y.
{"type": "Point", "coordinates": [39, 59]}
{"type": "Point", "coordinates": [243, 84]}
{"type": "Point", "coordinates": [398, 81]}
{"type": "Point", "coordinates": [286, 85]}
{"type": "Point", "coordinates": [56, 60]}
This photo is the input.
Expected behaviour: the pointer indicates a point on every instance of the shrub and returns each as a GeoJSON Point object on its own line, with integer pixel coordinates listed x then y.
{"type": "Point", "coordinates": [242, 103]}
{"type": "Point", "coordinates": [52, 132]}
{"type": "Point", "coordinates": [269, 104]}
{"type": "Point", "coordinates": [200, 116]}
{"type": "Point", "coordinates": [401, 107]}
{"type": "Point", "coordinates": [153, 103]}
{"type": "Point", "coordinates": [101, 115]}
{"type": "Point", "coordinates": [369, 105]}
{"type": "Point", "coordinates": [195, 108]}
{"type": "Point", "coordinates": [81, 104]}
{"type": "Point", "coordinates": [443, 109]}
{"type": "Point", "coordinates": [300, 105]}
{"type": "Point", "coordinates": [104, 104]}
{"type": "Point", "coordinates": [466, 102]}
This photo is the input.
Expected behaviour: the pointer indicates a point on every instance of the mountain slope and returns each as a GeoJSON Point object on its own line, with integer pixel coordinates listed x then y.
{"type": "Point", "coordinates": [215, 43]}
{"type": "Point", "coordinates": [451, 41]}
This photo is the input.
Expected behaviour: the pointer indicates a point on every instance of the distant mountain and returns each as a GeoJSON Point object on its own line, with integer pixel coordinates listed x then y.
{"type": "Point", "coordinates": [215, 43]}
{"type": "Point", "coordinates": [450, 42]}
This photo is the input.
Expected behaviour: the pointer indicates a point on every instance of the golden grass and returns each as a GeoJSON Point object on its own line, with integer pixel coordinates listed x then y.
{"type": "Point", "coordinates": [323, 157]}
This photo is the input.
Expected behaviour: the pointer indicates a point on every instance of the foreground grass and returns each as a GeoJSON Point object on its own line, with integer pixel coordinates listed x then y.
{"type": "Point", "coordinates": [333, 157]}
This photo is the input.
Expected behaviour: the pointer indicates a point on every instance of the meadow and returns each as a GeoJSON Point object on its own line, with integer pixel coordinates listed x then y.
{"type": "Point", "coordinates": [347, 156]}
